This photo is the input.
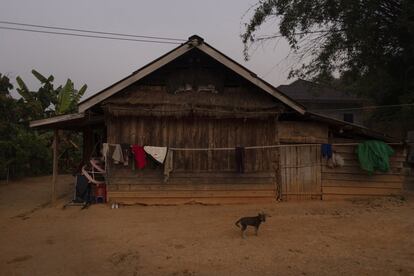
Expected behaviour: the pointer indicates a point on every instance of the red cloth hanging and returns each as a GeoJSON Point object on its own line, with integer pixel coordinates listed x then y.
{"type": "Point", "coordinates": [139, 156]}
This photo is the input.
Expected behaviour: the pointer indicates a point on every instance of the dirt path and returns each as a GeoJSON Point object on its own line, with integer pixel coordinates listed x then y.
{"type": "Point", "coordinates": [22, 197]}
{"type": "Point", "coordinates": [369, 237]}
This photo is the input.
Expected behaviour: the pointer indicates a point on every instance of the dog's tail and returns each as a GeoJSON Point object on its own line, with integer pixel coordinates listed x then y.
{"type": "Point", "coordinates": [237, 223]}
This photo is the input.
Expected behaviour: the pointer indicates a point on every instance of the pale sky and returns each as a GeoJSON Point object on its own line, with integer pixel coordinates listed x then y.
{"type": "Point", "coordinates": [99, 63]}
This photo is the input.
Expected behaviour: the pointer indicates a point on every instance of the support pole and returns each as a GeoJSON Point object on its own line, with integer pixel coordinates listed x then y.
{"type": "Point", "coordinates": [88, 144]}
{"type": "Point", "coordinates": [55, 165]}
{"type": "Point", "coordinates": [278, 163]}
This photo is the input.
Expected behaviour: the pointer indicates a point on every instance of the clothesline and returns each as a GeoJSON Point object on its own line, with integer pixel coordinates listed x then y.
{"type": "Point", "coordinates": [161, 154]}
{"type": "Point", "coordinates": [262, 147]}
{"type": "Point", "coordinates": [269, 146]}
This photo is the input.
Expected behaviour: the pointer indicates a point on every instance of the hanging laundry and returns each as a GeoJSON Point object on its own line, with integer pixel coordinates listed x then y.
{"type": "Point", "coordinates": [374, 155]}
{"type": "Point", "coordinates": [126, 151]}
{"type": "Point", "coordinates": [117, 154]}
{"type": "Point", "coordinates": [105, 150]}
{"type": "Point", "coordinates": [339, 160]}
{"type": "Point", "coordinates": [158, 153]}
{"type": "Point", "coordinates": [240, 154]}
{"type": "Point", "coordinates": [139, 156]}
{"type": "Point", "coordinates": [168, 165]}
{"type": "Point", "coordinates": [326, 151]}
{"type": "Point", "coordinates": [335, 161]}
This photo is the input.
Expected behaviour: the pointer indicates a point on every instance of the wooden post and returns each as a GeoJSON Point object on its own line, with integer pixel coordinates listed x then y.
{"type": "Point", "coordinates": [278, 163]}
{"type": "Point", "coordinates": [210, 145]}
{"type": "Point", "coordinates": [55, 165]}
{"type": "Point", "coordinates": [88, 144]}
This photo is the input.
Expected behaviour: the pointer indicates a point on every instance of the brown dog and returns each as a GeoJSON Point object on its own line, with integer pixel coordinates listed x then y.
{"type": "Point", "coordinates": [251, 221]}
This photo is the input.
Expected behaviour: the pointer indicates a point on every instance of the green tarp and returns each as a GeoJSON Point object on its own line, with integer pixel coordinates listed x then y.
{"type": "Point", "coordinates": [374, 155]}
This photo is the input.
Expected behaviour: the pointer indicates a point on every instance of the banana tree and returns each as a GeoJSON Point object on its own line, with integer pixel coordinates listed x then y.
{"type": "Point", "coordinates": [46, 101]}
{"type": "Point", "coordinates": [68, 97]}
{"type": "Point", "coordinates": [49, 101]}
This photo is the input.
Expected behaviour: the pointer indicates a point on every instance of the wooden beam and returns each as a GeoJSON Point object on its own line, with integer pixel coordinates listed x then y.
{"type": "Point", "coordinates": [55, 165]}
{"type": "Point", "coordinates": [57, 119]}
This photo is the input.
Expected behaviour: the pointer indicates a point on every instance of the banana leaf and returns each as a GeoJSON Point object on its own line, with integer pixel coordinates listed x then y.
{"type": "Point", "coordinates": [64, 98]}
{"type": "Point", "coordinates": [23, 90]}
{"type": "Point", "coordinates": [39, 76]}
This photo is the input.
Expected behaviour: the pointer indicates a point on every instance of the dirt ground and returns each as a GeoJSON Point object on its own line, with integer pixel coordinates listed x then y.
{"type": "Point", "coordinates": [359, 237]}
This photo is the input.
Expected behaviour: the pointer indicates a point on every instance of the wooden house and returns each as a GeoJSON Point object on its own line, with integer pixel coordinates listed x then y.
{"type": "Point", "coordinates": [201, 104]}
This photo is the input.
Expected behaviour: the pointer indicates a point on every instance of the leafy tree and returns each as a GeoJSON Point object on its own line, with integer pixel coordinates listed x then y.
{"type": "Point", "coordinates": [369, 44]}
{"type": "Point", "coordinates": [49, 101]}
{"type": "Point", "coordinates": [24, 151]}
{"type": "Point", "coordinates": [5, 85]}
{"type": "Point", "coordinates": [7, 118]}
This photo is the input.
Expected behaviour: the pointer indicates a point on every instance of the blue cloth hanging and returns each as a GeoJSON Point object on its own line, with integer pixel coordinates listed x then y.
{"type": "Point", "coordinates": [326, 151]}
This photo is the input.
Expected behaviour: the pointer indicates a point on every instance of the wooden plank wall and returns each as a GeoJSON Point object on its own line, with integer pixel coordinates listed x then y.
{"type": "Point", "coordinates": [205, 176]}
{"type": "Point", "coordinates": [351, 181]}
{"type": "Point", "coordinates": [301, 172]}
{"type": "Point", "coordinates": [200, 133]}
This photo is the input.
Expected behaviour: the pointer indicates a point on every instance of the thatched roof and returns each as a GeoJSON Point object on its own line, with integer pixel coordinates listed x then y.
{"type": "Point", "coordinates": [240, 97]}
{"type": "Point", "coordinates": [142, 100]}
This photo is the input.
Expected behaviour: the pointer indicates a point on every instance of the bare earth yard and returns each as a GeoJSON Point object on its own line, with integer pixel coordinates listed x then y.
{"type": "Point", "coordinates": [360, 237]}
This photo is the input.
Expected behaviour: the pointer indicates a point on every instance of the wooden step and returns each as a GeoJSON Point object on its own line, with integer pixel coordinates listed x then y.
{"type": "Point", "coordinates": [181, 196]}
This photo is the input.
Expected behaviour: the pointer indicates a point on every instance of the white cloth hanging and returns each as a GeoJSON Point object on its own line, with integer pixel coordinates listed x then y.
{"type": "Point", "coordinates": [168, 166]}
{"type": "Point", "coordinates": [335, 161]}
{"type": "Point", "coordinates": [105, 149]}
{"type": "Point", "coordinates": [117, 155]}
{"type": "Point", "coordinates": [158, 153]}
